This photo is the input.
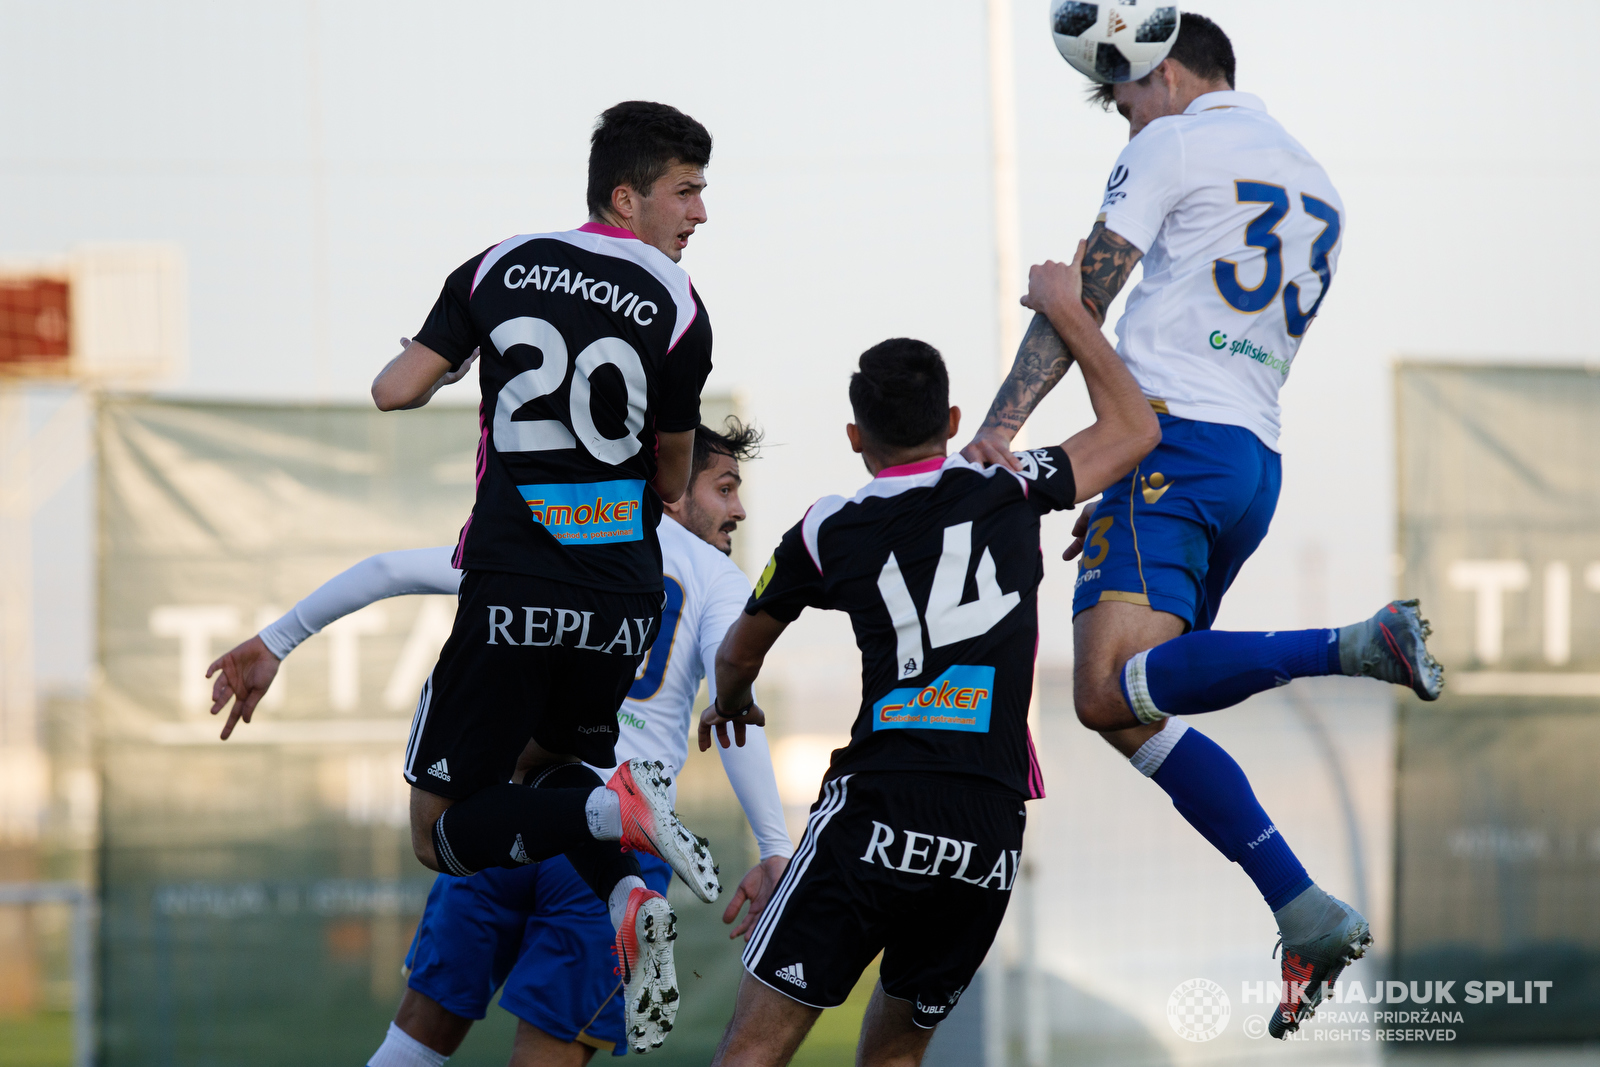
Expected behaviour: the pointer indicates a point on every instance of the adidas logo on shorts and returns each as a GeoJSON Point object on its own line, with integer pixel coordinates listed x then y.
{"type": "Point", "coordinates": [518, 852]}
{"type": "Point", "coordinates": [440, 770]}
{"type": "Point", "coordinates": [794, 974]}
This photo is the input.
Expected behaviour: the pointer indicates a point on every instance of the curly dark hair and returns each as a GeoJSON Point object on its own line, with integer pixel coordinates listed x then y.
{"type": "Point", "coordinates": [738, 440]}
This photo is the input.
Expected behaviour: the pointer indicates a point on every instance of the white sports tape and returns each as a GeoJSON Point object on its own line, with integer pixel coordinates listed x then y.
{"type": "Point", "coordinates": [1138, 686]}
{"type": "Point", "coordinates": [1153, 753]}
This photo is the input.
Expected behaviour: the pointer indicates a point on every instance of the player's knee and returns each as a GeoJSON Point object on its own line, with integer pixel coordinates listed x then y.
{"type": "Point", "coordinates": [422, 846]}
{"type": "Point", "coordinates": [1100, 704]}
{"type": "Point", "coordinates": [426, 809]}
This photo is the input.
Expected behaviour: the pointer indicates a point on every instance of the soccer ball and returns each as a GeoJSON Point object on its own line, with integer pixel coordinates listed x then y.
{"type": "Point", "coordinates": [1114, 40]}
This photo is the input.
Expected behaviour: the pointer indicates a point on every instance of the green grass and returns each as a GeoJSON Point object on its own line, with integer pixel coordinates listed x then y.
{"type": "Point", "coordinates": [42, 1040]}
{"type": "Point", "coordinates": [833, 1040]}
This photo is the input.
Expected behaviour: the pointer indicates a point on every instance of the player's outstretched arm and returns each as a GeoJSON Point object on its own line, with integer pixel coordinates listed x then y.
{"type": "Point", "coordinates": [410, 379]}
{"type": "Point", "coordinates": [248, 669]}
{"type": "Point", "coordinates": [1043, 358]}
{"type": "Point", "coordinates": [1042, 361]}
{"type": "Point", "coordinates": [244, 674]}
{"type": "Point", "coordinates": [1125, 428]}
{"type": "Point", "coordinates": [1108, 263]}
{"type": "Point", "coordinates": [739, 661]}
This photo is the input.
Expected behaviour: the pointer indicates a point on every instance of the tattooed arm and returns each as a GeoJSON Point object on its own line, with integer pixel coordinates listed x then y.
{"type": "Point", "coordinates": [1042, 358]}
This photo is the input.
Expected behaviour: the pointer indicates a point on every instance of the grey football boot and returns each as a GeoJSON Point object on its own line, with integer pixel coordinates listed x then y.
{"type": "Point", "coordinates": [1308, 968]}
{"type": "Point", "coordinates": [1392, 646]}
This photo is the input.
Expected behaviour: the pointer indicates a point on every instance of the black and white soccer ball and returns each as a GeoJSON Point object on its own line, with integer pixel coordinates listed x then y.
{"type": "Point", "coordinates": [1114, 40]}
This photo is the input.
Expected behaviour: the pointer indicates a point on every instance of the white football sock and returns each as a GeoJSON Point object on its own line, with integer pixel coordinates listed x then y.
{"type": "Point", "coordinates": [618, 901]}
{"type": "Point", "coordinates": [604, 809]}
{"type": "Point", "coordinates": [400, 1049]}
{"type": "Point", "coordinates": [1153, 753]}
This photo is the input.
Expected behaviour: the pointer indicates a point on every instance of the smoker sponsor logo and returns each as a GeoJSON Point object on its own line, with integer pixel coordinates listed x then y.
{"type": "Point", "coordinates": [588, 512]}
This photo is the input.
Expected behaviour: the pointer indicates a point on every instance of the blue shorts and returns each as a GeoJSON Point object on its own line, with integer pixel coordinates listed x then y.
{"type": "Point", "coordinates": [540, 932]}
{"type": "Point", "coordinates": [1174, 533]}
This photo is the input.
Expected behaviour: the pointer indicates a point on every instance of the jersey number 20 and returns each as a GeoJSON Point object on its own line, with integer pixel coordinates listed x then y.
{"type": "Point", "coordinates": [1259, 234]}
{"type": "Point", "coordinates": [543, 435]}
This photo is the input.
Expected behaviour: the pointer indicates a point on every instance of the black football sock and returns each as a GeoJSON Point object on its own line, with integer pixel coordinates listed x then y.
{"type": "Point", "coordinates": [601, 864]}
{"type": "Point", "coordinates": [509, 826]}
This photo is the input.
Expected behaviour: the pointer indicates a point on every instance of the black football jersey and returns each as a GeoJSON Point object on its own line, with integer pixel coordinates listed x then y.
{"type": "Point", "coordinates": [592, 342]}
{"type": "Point", "coordinates": [938, 564]}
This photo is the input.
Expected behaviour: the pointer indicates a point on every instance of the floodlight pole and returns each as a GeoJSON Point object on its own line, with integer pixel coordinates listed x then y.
{"type": "Point", "coordinates": [1003, 134]}
{"type": "Point", "coordinates": [1008, 334]}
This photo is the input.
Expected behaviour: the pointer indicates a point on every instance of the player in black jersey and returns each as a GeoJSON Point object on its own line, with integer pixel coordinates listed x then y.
{"type": "Point", "coordinates": [594, 350]}
{"type": "Point", "coordinates": [913, 845]}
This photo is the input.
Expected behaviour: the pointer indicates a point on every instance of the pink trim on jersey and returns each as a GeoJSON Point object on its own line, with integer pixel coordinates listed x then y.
{"type": "Point", "coordinates": [608, 231]}
{"type": "Point", "coordinates": [921, 466]}
{"type": "Point", "coordinates": [1035, 776]}
{"type": "Point", "coordinates": [482, 465]}
{"type": "Point", "coordinates": [616, 231]}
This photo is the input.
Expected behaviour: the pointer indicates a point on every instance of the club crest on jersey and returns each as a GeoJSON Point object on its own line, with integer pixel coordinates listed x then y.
{"type": "Point", "coordinates": [589, 512]}
{"type": "Point", "coordinates": [1035, 463]}
{"type": "Point", "coordinates": [959, 699]}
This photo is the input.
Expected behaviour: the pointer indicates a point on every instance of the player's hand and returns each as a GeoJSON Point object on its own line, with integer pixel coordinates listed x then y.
{"type": "Point", "coordinates": [713, 718]}
{"type": "Point", "coordinates": [247, 673]}
{"type": "Point", "coordinates": [1080, 530]}
{"type": "Point", "coordinates": [756, 887]}
{"type": "Point", "coordinates": [1056, 288]}
{"type": "Point", "coordinates": [991, 448]}
{"type": "Point", "coordinates": [451, 377]}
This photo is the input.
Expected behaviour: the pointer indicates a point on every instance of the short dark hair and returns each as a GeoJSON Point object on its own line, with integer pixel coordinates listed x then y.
{"type": "Point", "coordinates": [634, 143]}
{"type": "Point", "coordinates": [738, 440]}
{"type": "Point", "coordinates": [901, 394]}
{"type": "Point", "coordinates": [1202, 48]}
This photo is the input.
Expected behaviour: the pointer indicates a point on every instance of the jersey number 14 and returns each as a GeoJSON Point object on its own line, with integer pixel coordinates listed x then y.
{"type": "Point", "coordinates": [1259, 234]}
{"type": "Point", "coordinates": [948, 619]}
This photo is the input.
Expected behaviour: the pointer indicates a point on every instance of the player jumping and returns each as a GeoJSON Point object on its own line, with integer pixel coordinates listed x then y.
{"type": "Point", "coordinates": [595, 347]}
{"type": "Point", "coordinates": [537, 932]}
{"type": "Point", "coordinates": [1238, 229]}
{"type": "Point", "coordinates": [914, 843]}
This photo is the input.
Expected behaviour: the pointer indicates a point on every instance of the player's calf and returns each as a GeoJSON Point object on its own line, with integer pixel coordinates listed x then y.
{"type": "Point", "coordinates": [1213, 669]}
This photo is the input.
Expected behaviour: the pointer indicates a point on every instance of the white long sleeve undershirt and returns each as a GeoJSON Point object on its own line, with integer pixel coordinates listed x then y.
{"type": "Point", "coordinates": [417, 570]}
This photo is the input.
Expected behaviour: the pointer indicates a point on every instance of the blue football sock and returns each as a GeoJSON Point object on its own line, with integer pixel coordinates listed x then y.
{"type": "Point", "coordinates": [1210, 790]}
{"type": "Point", "coordinates": [1211, 669]}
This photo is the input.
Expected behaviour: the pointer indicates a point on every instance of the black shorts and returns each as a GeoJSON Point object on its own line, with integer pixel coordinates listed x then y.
{"type": "Point", "coordinates": [527, 657]}
{"type": "Point", "coordinates": [916, 866]}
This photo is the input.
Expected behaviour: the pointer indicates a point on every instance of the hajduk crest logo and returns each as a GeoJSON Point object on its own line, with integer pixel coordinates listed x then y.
{"type": "Point", "coordinates": [959, 699]}
{"type": "Point", "coordinates": [1198, 1010]}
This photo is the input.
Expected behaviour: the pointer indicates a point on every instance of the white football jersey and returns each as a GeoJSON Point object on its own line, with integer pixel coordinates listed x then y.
{"type": "Point", "coordinates": [705, 592]}
{"type": "Point", "coordinates": [1240, 230]}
